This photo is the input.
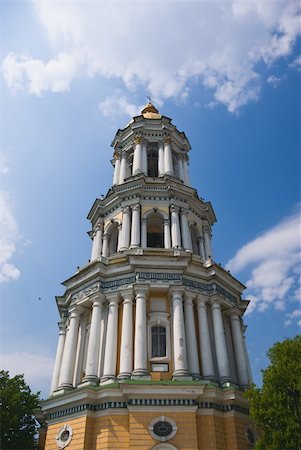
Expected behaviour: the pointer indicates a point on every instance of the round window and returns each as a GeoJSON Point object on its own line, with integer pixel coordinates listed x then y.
{"type": "Point", "coordinates": [64, 436]}
{"type": "Point", "coordinates": [250, 435]}
{"type": "Point", "coordinates": [162, 428]}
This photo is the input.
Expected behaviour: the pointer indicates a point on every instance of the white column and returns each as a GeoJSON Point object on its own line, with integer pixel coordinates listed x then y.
{"type": "Point", "coordinates": [239, 350]}
{"type": "Point", "coordinates": [201, 247]}
{"type": "Point", "coordinates": [126, 228]}
{"type": "Point", "coordinates": [244, 327]}
{"type": "Point", "coordinates": [168, 164]}
{"type": "Point", "coordinates": [109, 367]}
{"type": "Point", "coordinates": [143, 233]}
{"type": "Point", "coordinates": [161, 160]}
{"type": "Point", "coordinates": [97, 241]}
{"type": "Point", "coordinates": [166, 227]}
{"type": "Point", "coordinates": [181, 168]}
{"type": "Point", "coordinates": [126, 348]}
{"type": "Point", "coordinates": [207, 238]}
{"type": "Point", "coordinates": [94, 342]}
{"type": "Point", "coordinates": [220, 343]}
{"type": "Point", "coordinates": [123, 168]}
{"type": "Point", "coordinates": [138, 160]}
{"type": "Point", "coordinates": [105, 246]}
{"type": "Point", "coordinates": [140, 352]}
{"type": "Point", "coordinates": [68, 361]}
{"type": "Point", "coordinates": [144, 158]}
{"type": "Point", "coordinates": [58, 357]}
{"type": "Point", "coordinates": [179, 341]}
{"type": "Point", "coordinates": [192, 348]}
{"type": "Point", "coordinates": [185, 169]}
{"type": "Point", "coordinates": [204, 338]}
{"type": "Point", "coordinates": [175, 227]}
{"type": "Point", "coordinates": [116, 169]}
{"type": "Point", "coordinates": [186, 236]}
{"type": "Point", "coordinates": [135, 234]}
{"type": "Point", "coordinates": [119, 238]}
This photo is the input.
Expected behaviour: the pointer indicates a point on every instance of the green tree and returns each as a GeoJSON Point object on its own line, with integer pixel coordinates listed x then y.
{"type": "Point", "coordinates": [276, 407]}
{"type": "Point", "coordinates": [17, 423]}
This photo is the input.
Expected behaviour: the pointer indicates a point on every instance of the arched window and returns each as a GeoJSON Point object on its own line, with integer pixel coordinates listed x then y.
{"type": "Point", "coordinates": [113, 239]}
{"type": "Point", "coordinates": [152, 162]}
{"type": "Point", "coordinates": [155, 236]}
{"type": "Point", "coordinates": [158, 342]}
{"type": "Point", "coordinates": [194, 240]}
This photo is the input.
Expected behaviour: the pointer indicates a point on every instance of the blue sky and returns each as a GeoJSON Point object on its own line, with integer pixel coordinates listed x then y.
{"type": "Point", "coordinates": [72, 73]}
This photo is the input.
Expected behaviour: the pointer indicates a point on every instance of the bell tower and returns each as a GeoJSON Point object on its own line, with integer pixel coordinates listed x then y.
{"type": "Point", "coordinates": [151, 351]}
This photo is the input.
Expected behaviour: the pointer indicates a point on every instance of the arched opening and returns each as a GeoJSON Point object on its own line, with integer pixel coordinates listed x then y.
{"type": "Point", "coordinates": [130, 163]}
{"type": "Point", "coordinates": [195, 240]}
{"type": "Point", "coordinates": [155, 237]}
{"type": "Point", "coordinates": [152, 162]}
{"type": "Point", "coordinates": [113, 239]}
{"type": "Point", "coordinates": [158, 341]}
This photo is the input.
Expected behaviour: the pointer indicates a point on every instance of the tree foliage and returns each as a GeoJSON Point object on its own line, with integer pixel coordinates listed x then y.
{"type": "Point", "coordinates": [276, 407]}
{"type": "Point", "coordinates": [18, 426]}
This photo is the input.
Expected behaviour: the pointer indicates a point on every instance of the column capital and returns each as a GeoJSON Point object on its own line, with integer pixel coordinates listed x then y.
{"type": "Point", "coordinates": [201, 301]}
{"type": "Point", "coordinates": [98, 226]}
{"type": "Point", "coordinates": [167, 139]}
{"type": "Point", "coordinates": [141, 291]}
{"type": "Point", "coordinates": [127, 295]}
{"type": "Point", "coordinates": [166, 221]}
{"type": "Point", "coordinates": [75, 312]}
{"type": "Point", "coordinates": [62, 326]}
{"type": "Point", "coordinates": [98, 300]}
{"type": "Point", "coordinates": [176, 292]}
{"type": "Point", "coordinates": [136, 207]}
{"type": "Point", "coordinates": [126, 209]}
{"type": "Point", "coordinates": [184, 211]}
{"type": "Point", "coordinates": [174, 208]}
{"type": "Point", "coordinates": [138, 139]}
{"type": "Point", "coordinates": [124, 155]}
{"type": "Point", "coordinates": [113, 299]}
{"type": "Point", "coordinates": [116, 154]}
{"type": "Point", "coordinates": [234, 314]}
{"type": "Point", "coordinates": [215, 303]}
{"type": "Point", "coordinates": [189, 297]}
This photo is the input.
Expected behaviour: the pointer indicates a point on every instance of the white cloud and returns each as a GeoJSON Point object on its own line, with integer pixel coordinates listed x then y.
{"type": "Point", "coordinates": [9, 234]}
{"type": "Point", "coordinates": [162, 47]}
{"type": "Point", "coordinates": [8, 238]}
{"type": "Point", "coordinates": [36, 76]}
{"type": "Point", "coordinates": [274, 260]}
{"type": "Point", "coordinates": [118, 105]}
{"type": "Point", "coordinates": [37, 368]}
{"type": "Point", "coordinates": [273, 80]}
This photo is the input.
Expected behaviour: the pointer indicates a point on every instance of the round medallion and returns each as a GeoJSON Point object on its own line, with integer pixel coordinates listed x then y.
{"type": "Point", "coordinates": [64, 436]}
{"type": "Point", "coordinates": [250, 435]}
{"type": "Point", "coordinates": [163, 428]}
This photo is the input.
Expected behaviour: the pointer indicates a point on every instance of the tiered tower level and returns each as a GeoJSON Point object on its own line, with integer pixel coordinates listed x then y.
{"type": "Point", "coordinates": [151, 351]}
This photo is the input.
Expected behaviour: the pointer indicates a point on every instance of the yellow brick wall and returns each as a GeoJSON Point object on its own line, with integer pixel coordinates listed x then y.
{"type": "Point", "coordinates": [79, 427]}
{"type": "Point", "coordinates": [235, 427]}
{"type": "Point", "coordinates": [140, 438]}
{"type": "Point", "coordinates": [130, 431]}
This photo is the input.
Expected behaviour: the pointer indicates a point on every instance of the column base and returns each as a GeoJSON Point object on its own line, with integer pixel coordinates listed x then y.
{"type": "Point", "coordinates": [140, 374]}
{"type": "Point", "coordinates": [124, 376]}
{"type": "Point", "coordinates": [225, 382]}
{"type": "Point", "coordinates": [181, 375]}
{"type": "Point", "coordinates": [91, 380]}
{"type": "Point", "coordinates": [196, 376]}
{"type": "Point", "coordinates": [108, 379]}
{"type": "Point", "coordinates": [65, 386]}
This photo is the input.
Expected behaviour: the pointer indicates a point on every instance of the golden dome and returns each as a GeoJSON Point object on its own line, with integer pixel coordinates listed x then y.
{"type": "Point", "coordinates": [150, 112]}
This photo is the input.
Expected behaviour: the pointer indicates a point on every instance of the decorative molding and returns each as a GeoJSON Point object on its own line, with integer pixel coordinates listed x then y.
{"type": "Point", "coordinates": [165, 277]}
{"type": "Point", "coordinates": [160, 402]}
{"type": "Point", "coordinates": [173, 278]}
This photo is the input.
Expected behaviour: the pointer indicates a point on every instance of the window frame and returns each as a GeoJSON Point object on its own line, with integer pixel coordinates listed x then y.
{"type": "Point", "coordinates": [159, 319]}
